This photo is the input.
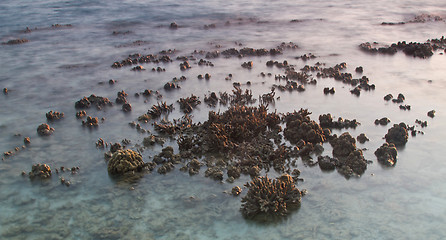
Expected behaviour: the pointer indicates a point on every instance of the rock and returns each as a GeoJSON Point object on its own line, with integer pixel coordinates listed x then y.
{"type": "Point", "coordinates": [215, 173]}
{"type": "Point", "coordinates": [41, 171]}
{"type": "Point", "coordinates": [45, 130]}
{"type": "Point", "coordinates": [397, 135]}
{"type": "Point", "coordinates": [383, 121]}
{"type": "Point", "coordinates": [16, 41]}
{"type": "Point", "coordinates": [123, 161]}
{"type": "Point", "coordinates": [234, 172]}
{"type": "Point", "coordinates": [173, 25]}
{"type": "Point", "coordinates": [343, 145]}
{"type": "Point", "coordinates": [236, 191]}
{"type": "Point", "coordinates": [81, 114]}
{"type": "Point", "coordinates": [115, 147]}
{"type": "Point", "coordinates": [98, 101]}
{"type": "Point", "coordinates": [359, 69]}
{"type": "Point", "coordinates": [91, 122]}
{"type": "Point", "coordinates": [327, 163]}
{"type": "Point", "coordinates": [27, 140]}
{"type": "Point", "coordinates": [165, 168]}
{"type": "Point", "coordinates": [268, 198]}
{"type": "Point", "coordinates": [329, 90]}
{"type": "Point", "coordinates": [388, 97]}
{"type": "Point", "coordinates": [194, 166]}
{"type": "Point", "coordinates": [356, 91]}
{"type": "Point", "coordinates": [51, 116]}
{"type": "Point", "coordinates": [127, 107]}
{"type": "Point", "coordinates": [431, 113]}
{"type": "Point", "coordinates": [399, 99]}
{"type": "Point", "coordinates": [387, 154]}
{"type": "Point", "coordinates": [247, 65]}
{"type": "Point", "coordinates": [362, 138]}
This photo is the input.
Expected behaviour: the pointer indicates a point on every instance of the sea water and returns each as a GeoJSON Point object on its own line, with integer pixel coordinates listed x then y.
{"type": "Point", "coordinates": [60, 65]}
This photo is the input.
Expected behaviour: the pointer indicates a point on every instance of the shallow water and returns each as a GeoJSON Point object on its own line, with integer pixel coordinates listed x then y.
{"type": "Point", "coordinates": [58, 66]}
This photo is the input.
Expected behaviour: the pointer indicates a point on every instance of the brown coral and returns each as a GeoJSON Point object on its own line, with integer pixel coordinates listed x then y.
{"type": "Point", "coordinates": [123, 161]}
{"type": "Point", "coordinates": [267, 197]}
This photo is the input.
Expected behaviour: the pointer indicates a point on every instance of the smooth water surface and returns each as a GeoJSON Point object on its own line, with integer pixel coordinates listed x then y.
{"type": "Point", "coordinates": [58, 66]}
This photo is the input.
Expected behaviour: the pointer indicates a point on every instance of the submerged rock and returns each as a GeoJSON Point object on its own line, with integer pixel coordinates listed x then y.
{"type": "Point", "coordinates": [123, 161]}
{"type": "Point", "coordinates": [387, 154]}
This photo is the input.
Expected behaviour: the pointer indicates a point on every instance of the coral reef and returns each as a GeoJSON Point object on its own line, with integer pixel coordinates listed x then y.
{"type": "Point", "coordinates": [44, 130]}
{"type": "Point", "coordinates": [41, 171]}
{"type": "Point", "coordinates": [350, 159]}
{"type": "Point", "coordinates": [123, 161]}
{"type": "Point", "coordinates": [270, 198]}
{"type": "Point", "coordinates": [398, 134]}
{"type": "Point", "coordinates": [97, 101]}
{"type": "Point", "coordinates": [51, 116]}
{"type": "Point", "coordinates": [387, 154]}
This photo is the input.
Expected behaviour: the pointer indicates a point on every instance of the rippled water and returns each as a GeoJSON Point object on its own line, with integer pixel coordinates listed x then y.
{"type": "Point", "coordinates": [58, 66]}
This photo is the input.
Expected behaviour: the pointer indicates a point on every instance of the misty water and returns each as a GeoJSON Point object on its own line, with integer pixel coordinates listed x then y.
{"type": "Point", "coordinates": [60, 65]}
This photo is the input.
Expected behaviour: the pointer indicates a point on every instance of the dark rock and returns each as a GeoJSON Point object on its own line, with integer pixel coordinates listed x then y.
{"type": "Point", "coordinates": [81, 114]}
{"type": "Point", "coordinates": [16, 41]}
{"type": "Point", "coordinates": [387, 154]}
{"type": "Point", "coordinates": [327, 163]}
{"type": "Point", "coordinates": [127, 107]}
{"type": "Point", "coordinates": [362, 138]}
{"type": "Point", "coordinates": [397, 135]}
{"type": "Point", "coordinates": [236, 191]}
{"type": "Point", "coordinates": [173, 25]}
{"type": "Point", "coordinates": [51, 116]}
{"type": "Point", "coordinates": [247, 65]}
{"type": "Point", "coordinates": [91, 122]}
{"type": "Point", "coordinates": [328, 90]}
{"type": "Point", "coordinates": [343, 145]}
{"type": "Point", "coordinates": [115, 147]}
{"type": "Point", "coordinates": [98, 101]}
{"type": "Point", "coordinates": [383, 121]}
{"type": "Point", "coordinates": [431, 113]}
{"type": "Point", "coordinates": [400, 98]}
{"type": "Point", "coordinates": [215, 173]}
{"type": "Point", "coordinates": [359, 69]}
{"type": "Point", "coordinates": [45, 130]}
{"type": "Point", "coordinates": [388, 97]}
{"type": "Point", "coordinates": [41, 171]}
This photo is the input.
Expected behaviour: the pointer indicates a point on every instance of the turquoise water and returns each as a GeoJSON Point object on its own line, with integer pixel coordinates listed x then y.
{"type": "Point", "coordinates": [58, 66]}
